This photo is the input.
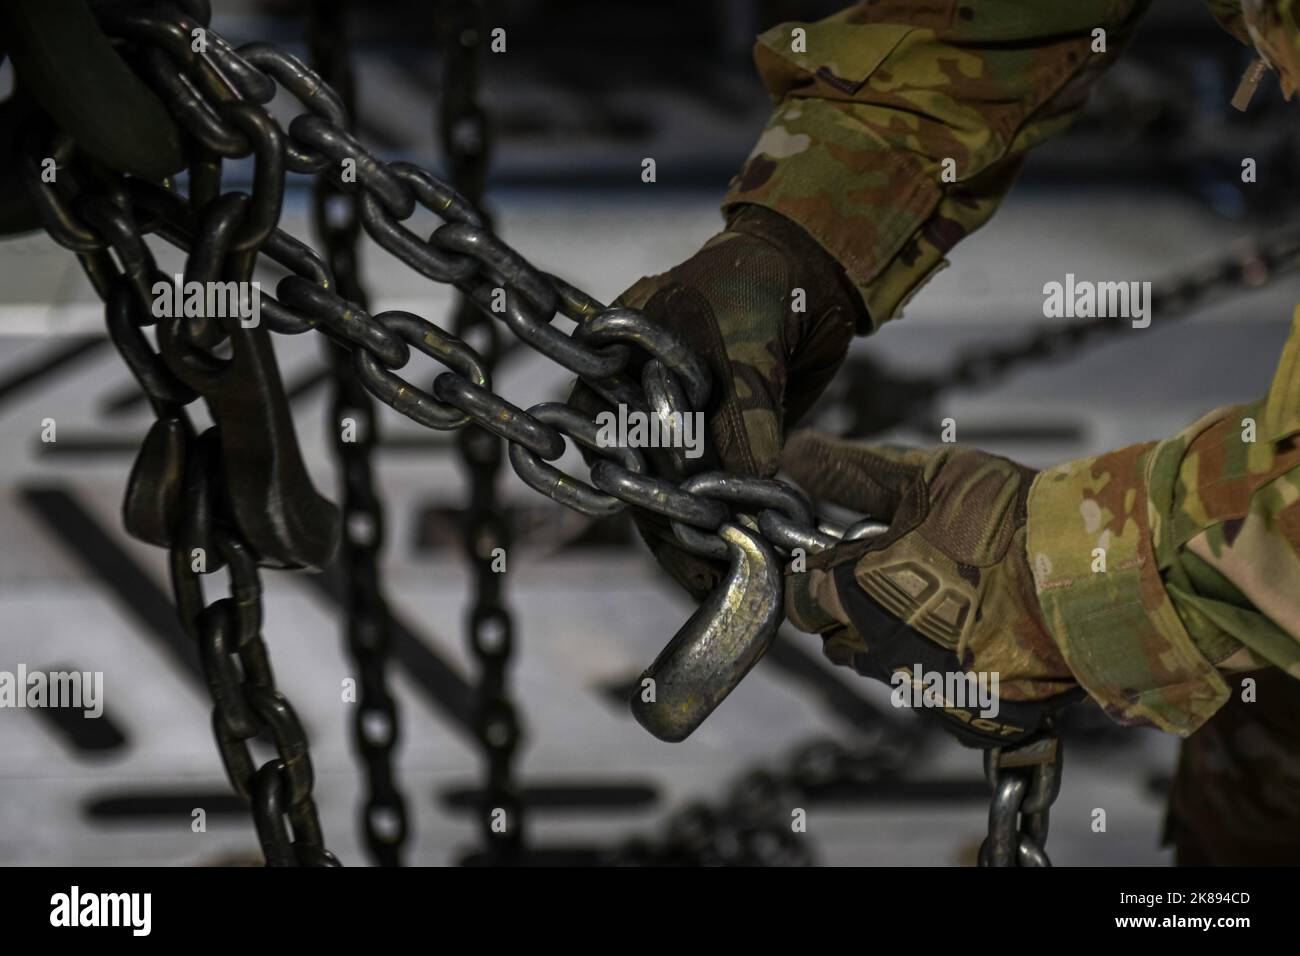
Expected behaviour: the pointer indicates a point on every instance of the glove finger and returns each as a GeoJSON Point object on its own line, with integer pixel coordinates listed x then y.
{"type": "Point", "coordinates": [870, 479]}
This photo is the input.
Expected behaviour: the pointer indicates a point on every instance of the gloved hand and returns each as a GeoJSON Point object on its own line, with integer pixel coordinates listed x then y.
{"type": "Point", "coordinates": [947, 588]}
{"type": "Point", "coordinates": [734, 302]}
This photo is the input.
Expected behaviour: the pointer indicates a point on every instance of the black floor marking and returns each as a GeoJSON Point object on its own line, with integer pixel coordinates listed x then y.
{"type": "Point", "coordinates": [69, 445]}
{"type": "Point", "coordinates": [565, 796]}
{"type": "Point", "coordinates": [161, 806]}
{"type": "Point", "coordinates": [85, 735]}
{"type": "Point", "coordinates": [55, 360]}
{"type": "Point", "coordinates": [447, 689]}
{"type": "Point", "coordinates": [892, 790]}
{"type": "Point", "coordinates": [123, 400]}
{"type": "Point", "coordinates": [1022, 432]}
{"type": "Point", "coordinates": [304, 385]}
{"type": "Point", "coordinates": [84, 539]}
{"type": "Point", "coordinates": [128, 447]}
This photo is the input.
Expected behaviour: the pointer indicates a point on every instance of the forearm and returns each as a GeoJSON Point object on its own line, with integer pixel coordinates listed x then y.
{"type": "Point", "coordinates": [900, 125]}
{"type": "Point", "coordinates": [1163, 566]}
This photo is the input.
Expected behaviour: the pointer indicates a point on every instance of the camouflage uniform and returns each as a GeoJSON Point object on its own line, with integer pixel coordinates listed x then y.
{"type": "Point", "coordinates": [1201, 531]}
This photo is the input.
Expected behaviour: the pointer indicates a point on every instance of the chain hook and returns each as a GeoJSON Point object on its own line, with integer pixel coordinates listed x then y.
{"type": "Point", "coordinates": [718, 645]}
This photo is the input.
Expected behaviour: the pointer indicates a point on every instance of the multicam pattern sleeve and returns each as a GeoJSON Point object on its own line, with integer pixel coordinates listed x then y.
{"type": "Point", "coordinates": [900, 124]}
{"type": "Point", "coordinates": [1164, 566]}
{"type": "Point", "coordinates": [1199, 534]}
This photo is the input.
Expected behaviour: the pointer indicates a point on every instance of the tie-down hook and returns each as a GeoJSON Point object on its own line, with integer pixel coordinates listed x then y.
{"type": "Point", "coordinates": [274, 504]}
{"type": "Point", "coordinates": [716, 648]}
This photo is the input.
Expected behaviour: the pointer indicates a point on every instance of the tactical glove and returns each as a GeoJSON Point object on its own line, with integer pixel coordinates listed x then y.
{"type": "Point", "coordinates": [772, 314]}
{"type": "Point", "coordinates": [946, 589]}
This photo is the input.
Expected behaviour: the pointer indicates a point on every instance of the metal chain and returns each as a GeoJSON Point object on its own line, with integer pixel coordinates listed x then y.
{"type": "Point", "coordinates": [754, 824]}
{"type": "Point", "coordinates": [218, 99]}
{"type": "Point", "coordinates": [1252, 265]}
{"type": "Point", "coordinates": [179, 496]}
{"type": "Point", "coordinates": [485, 530]}
{"type": "Point", "coordinates": [463, 252]}
{"type": "Point", "coordinates": [1026, 781]}
{"type": "Point", "coordinates": [376, 728]}
{"type": "Point", "coordinates": [737, 518]}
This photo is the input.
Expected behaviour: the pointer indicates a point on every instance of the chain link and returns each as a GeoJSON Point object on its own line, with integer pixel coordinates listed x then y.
{"type": "Point", "coordinates": [176, 497]}
{"type": "Point", "coordinates": [1251, 266]}
{"type": "Point", "coordinates": [882, 400]}
{"type": "Point", "coordinates": [1025, 781]}
{"type": "Point", "coordinates": [376, 728]}
{"type": "Point", "coordinates": [712, 514]}
{"type": "Point", "coordinates": [754, 825]}
{"type": "Point", "coordinates": [485, 529]}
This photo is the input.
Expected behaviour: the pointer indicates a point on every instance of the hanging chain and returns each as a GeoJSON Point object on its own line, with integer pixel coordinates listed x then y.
{"type": "Point", "coordinates": [179, 497]}
{"type": "Point", "coordinates": [1025, 782]}
{"type": "Point", "coordinates": [217, 97]}
{"type": "Point", "coordinates": [463, 133]}
{"type": "Point", "coordinates": [354, 426]}
{"type": "Point", "coordinates": [882, 401]}
{"type": "Point", "coordinates": [1251, 266]}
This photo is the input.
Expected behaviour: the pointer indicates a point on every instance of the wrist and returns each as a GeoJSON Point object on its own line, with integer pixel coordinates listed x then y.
{"type": "Point", "coordinates": [824, 280]}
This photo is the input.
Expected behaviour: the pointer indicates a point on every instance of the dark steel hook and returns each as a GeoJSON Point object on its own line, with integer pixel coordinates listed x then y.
{"type": "Point", "coordinates": [276, 507]}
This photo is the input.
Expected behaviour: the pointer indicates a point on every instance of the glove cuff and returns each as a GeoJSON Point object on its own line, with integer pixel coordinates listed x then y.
{"type": "Point", "coordinates": [827, 281]}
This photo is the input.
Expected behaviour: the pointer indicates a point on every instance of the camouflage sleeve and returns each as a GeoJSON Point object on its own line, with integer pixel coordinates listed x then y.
{"type": "Point", "coordinates": [1163, 566]}
{"type": "Point", "coordinates": [900, 124]}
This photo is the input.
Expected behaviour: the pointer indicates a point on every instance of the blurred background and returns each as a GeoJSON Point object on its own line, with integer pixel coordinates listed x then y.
{"type": "Point", "coordinates": [1147, 186]}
